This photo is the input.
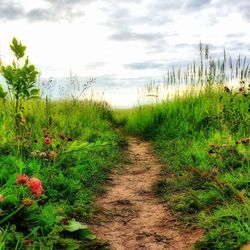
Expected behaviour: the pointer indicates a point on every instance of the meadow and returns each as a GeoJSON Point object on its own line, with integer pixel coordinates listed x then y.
{"type": "Point", "coordinates": [50, 173]}
{"type": "Point", "coordinates": [202, 137]}
{"type": "Point", "coordinates": [55, 156]}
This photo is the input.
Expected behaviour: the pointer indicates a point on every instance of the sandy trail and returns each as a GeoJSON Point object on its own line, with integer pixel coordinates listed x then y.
{"type": "Point", "coordinates": [130, 216]}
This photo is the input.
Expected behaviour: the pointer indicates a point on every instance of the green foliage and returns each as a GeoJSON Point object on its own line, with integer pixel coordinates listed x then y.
{"type": "Point", "coordinates": [203, 138]}
{"type": "Point", "coordinates": [17, 48]}
{"type": "Point", "coordinates": [21, 79]}
{"type": "Point", "coordinates": [81, 151]}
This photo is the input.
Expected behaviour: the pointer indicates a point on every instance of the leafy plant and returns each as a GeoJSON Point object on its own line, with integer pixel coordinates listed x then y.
{"type": "Point", "coordinates": [20, 77]}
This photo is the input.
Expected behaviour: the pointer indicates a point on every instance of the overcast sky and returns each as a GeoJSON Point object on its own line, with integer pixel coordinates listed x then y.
{"type": "Point", "coordinates": [122, 39]}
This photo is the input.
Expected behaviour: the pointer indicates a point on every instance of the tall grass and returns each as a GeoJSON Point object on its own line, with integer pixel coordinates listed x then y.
{"type": "Point", "coordinates": [69, 147]}
{"type": "Point", "coordinates": [203, 139]}
{"type": "Point", "coordinates": [207, 70]}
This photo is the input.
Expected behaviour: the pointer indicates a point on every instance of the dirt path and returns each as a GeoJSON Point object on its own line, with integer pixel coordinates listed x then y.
{"type": "Point", "coordinates": [130, 216]}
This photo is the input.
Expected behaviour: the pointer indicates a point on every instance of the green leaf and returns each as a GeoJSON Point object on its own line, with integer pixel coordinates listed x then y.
{"type": "Point", "coordinates": [34, 92]}
{"type": "Point", "coordinates": [74, 226]}
{"type": "Point", "coordinates": [34, 97]}
{"type": "Point", "coordinates": [32, 68]}
{"type": "Point", "coordinates": [17, 48]}
{"type": "Point", "coordinates": [76, 145]}
{"type": "Point", "coordinates": [14, 42]}
{"type": "Point", "coordinates": [2, 93]}
{"type": "Point", "coordinates": [87, 234]}
{"type": "Point", "coordinates": [27, 61]}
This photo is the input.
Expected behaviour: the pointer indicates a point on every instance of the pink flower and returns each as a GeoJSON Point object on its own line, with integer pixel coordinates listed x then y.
{"type": "Point", "coordinates": [1, 197]}
{"type": "Point", "coordinates": [47, 140]}
{"type": "Point", "coordinates": [22, 179]}
{"type": "Point", "coordinates": [36, 187]}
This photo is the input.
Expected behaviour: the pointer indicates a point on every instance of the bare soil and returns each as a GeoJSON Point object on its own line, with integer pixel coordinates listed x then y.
{"type": "Point", "coordinates": [130, 216]}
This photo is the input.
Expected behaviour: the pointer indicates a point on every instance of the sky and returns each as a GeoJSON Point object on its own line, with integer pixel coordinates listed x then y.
{"type": "Point", "coordinates": [121, 43]}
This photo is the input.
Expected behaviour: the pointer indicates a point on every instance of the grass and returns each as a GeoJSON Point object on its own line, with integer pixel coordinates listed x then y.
{"type": "Point", "coordinates": [70, 147]}
{"type": "Point", "coordinates": [54, 156]}
{"type": "Point", "coordinates": [203, 139]}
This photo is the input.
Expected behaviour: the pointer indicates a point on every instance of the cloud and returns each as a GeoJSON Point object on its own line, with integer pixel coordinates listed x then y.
{"type": "Point", "coordinates": [10, 11]}
{"type": "Point", "coordinates": [55, 11]}
{"type": "Point", "coordinates": [133, 36]}
{"type": "Point", "coordinates": [160, 66]}
{"type": "Point", "coordinates": [235, 45]}
{"type": "Point", "coordinates": [229, 6]}
{"type": "Point", "coordinates": [68, 2]}
{"type": "Point", "coordinates": [235, 35]}
{"type": "Point", "coordinates": [196, 5]}
{"type": "Point", "coordinates": [245, 10]}
{"type": "Point", "coordinates": [59, 10]}
{"type": "Point", "coordinates": [42, 14]}
{"type": "Point", "coordinates": [95, 65]}
{"type": "Point", "coordinates": [145, 65]}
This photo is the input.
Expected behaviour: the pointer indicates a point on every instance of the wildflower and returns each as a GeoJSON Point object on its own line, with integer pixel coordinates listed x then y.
{"type": "Point", "coordinates": [43, 155]}
{"type": "Point", "coordinates": [47, 140]}
{"type": "Point", "coordinates": [1, 197]}
{"type": "Point", "coordinates": [34, 153]}
{"type": "Point", "coordinates": [27, 242]}
{"type": "Point", "coordinates": [22, 179]}
{"type": "Point", "coordinates": [242, 88]}
{"type": "Point", "coordinates": [36, 187]}
{"type": "Point", "coordinates": [52, 155]}
{"type": "Point", "coordinates": [27, 202]}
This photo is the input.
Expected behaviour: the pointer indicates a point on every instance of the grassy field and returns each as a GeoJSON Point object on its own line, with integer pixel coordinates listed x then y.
{"type": "Point", "coordinates": [51, 171]}
{"type": "Point", "coordinates": [54, 156]}
{"type": "Point", "coordinates": [203, 140]}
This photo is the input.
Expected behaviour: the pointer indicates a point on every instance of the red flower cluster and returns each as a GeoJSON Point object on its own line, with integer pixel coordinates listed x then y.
{"type": "Point", "coordinates": [47, 140]}
{"type": "Point", "coordinates": [22, 179]}
{"type": "Point", "coordinates": [36, 187]}
{"type": "Point", "coordinates": [1, 197]}
{"type": "Point", "coordinates": [34, 184]}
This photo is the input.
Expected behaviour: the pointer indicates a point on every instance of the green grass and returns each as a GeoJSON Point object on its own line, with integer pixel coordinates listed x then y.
{"type": "Point", "coordinates": [203, 140]}
{"type": "Point", "coordinates": [86, 147]}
